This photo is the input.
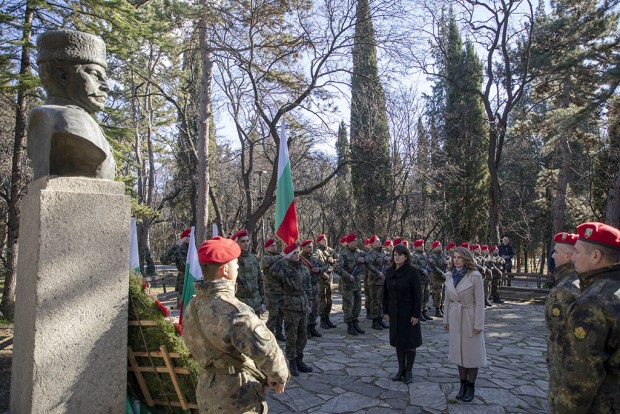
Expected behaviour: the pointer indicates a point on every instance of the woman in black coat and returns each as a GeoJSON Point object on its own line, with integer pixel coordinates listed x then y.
{"type": "Point", "coordinates": [402, 306]}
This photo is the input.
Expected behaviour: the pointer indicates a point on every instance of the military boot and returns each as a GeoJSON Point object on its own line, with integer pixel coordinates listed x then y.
{"type": "Point", "coordinates": [329, 322]}
{"type": "Point", "coordinates": [301, 365]}
{"type": "Point", "coordinates": [312, 330]}
{"type": "Point", "coordinates": [324, 324]}
{"type": "Point", "coordinates": [487, 302]}
{"type": "Point", "coordinates": [425, 316]}
{"type": "Point", "coordinates": [376, 324]}
{"type": "Point", "coordinates": [356, 326]}
{"type": "Point", "coordinates": [280, 335]}
{"type": "Point", "coordinates": [496, 299]}
{"type": "Point", "coordinates": [438, 313]}
{"type": "Point", "coordinates": [292, 366]}
{"type": "Point", "coordinates": [351, 330]}
{"type": "Point", "coordinates": [383, 323]}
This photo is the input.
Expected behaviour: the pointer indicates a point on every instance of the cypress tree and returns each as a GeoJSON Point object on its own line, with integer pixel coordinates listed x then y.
{"type": "Point", "coordinates": [369, 126]}
{"type": "Point", "coordinates": [342, 150]}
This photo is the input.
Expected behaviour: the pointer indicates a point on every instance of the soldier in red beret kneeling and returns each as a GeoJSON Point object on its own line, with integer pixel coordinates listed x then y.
{"type": "Point", "coordinates": [590, 377]}
{"type": "Point", "coordinates": [239, 355]}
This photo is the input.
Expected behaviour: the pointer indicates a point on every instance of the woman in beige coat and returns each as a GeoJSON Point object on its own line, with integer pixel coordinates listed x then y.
{"type": "Point", "coordinates": [464, 319]}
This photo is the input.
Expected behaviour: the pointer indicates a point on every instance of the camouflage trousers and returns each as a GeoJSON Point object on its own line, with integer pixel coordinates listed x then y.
{"type": "Point", "coordinates": [367, 288]}
{"type": "Point", "coordinates": [375, 293]}
{"type": "Point", "coordinates": [295, 327]}
{"type": "Point", "coordinates": [351, 304]}
{"type": "Point", "coordinates": [325, 297]}
{"type": "Point", "coordinates": [225, 393]}
{"type": "Point", "coordinates": [487, 286]}
{"type": "Point", "coordinates": [314, 310]}
{"type": "Point", "coordinates": [495, 281]}
{"type": "Point", "coordinates": [426, 295]}
{"type": "Point", "coordinates": [438, 281]}
{"type": "Point", "coordinates": [276, 315]}
{"type": "Point", "coordinates": [178, 285]}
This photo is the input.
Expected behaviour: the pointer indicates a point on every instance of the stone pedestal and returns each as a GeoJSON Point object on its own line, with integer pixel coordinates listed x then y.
{"type": "Point", "coordinates": [70, 339]}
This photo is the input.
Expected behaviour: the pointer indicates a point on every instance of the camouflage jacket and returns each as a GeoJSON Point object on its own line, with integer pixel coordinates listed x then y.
{"type": "Point", "coordinates": [176, 254]}
{"type": "Point", "coordinates": [376, 265]}
{"type": "Point", "coordinates": [272, 286]}
{"type": "Point", "coordinates": [591, 342]}
{"type": "Point", "coordinates": [561, 296]}
{"type": "Point", "coordinates": [314, 260]}
{"type": "Point", "coordinates": [294, 279]}
{"type": "Point", "coordinates": [495, 262]}
{"type": "Point", "coordinates": [227, 327]}
{"type": "Point", "coordinates": [349, 269]}
{"type": "Point", "coordinates": [324, 254]}
{"type": "Point", "coordinates": [438, 263]}
{"type": "Point", "coordinates": [250, 289]}
{"type": "Point", "coordinates": [419, 260]}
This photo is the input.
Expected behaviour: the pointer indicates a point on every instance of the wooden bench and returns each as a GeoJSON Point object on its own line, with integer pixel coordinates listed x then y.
{"type": "Point", "coordinates": [528, 286]}
{"type": "Point", "coordinates": [162, 280]}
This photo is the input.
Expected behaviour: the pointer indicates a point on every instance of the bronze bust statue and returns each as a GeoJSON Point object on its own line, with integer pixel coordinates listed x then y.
{"type": "Point", "coordinates": [63, 137]}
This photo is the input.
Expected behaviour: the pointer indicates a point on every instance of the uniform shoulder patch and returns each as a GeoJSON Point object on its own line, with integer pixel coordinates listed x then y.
{"type": "Point", "coordinates": [556, 311]}
{"type": "Point", "coordinates": [262, 332]}
{"type": "Point", "coordinates": [580, 333]}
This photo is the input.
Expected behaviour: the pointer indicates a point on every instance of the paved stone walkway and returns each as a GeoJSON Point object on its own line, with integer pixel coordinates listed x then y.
{"type": "Point", "coordinates": [352, 374]}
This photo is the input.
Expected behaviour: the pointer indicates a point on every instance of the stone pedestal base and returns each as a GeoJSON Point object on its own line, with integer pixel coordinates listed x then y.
{"type": "Point", "coordinates": [70, 339]}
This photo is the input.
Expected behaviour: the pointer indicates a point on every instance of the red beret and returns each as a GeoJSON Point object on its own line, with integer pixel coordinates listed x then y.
{"type": "Point", "coordinates": [185, 233]}
{"type": "Point", "coordinates": [218, 250]}
{"type": "Point", "coordinates": [351, 237]}
{"type": "Point", "coordinates": [343, 239]}
{"type": "Point", "coordinates": [405, 243]}
{"type": "Point", "coordinates": [435, 244]}
{"type": "Point", "coordinates": [474, 246]}
{"type": "Point", "coordinates": [290, 248]}
{"type": "Point", "coordinates": [366, 242]}
{"type": "Point", "coordinates": [307, 241]}
{"type": "Point", "coordinates": [240, 233]}
{"type": "Point", "coordinates": [465, 245]}
{"type": "Point", "coordinates": [450, 245]}
{"type": "Point", "coordinates": [321, 237]}
{"type": "Point", "coordinates": [398, 240]}
{"type": "Point", "coordinates": [418, 243]}
{"type": "Point", "coordinates": [269, 242]}
{"type": "Point", "coordinates": [388, 242]}
{"type": "Point", "coordinates": [566, 238]}
{"type": "Point", "coordinates": [373, 239]}
{"type": "Point", "coordinates": [599, 233]}
{"type": "Point", "coordinates": [494, 248]}
{"type": "Point", "coordinates": [484, 248]}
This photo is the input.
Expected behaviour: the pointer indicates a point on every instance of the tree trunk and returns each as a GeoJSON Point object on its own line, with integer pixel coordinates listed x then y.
{"type": "Point", "coordinates": [612, 213]}
{"type": "Point", "coordinates": [559, 206]}
{"type": "Point", "coordinates": [8, 293]}
{"type": "Point", "coordinates": [495, 197]}
{"type": "Point", "coordinates": [202, 202]}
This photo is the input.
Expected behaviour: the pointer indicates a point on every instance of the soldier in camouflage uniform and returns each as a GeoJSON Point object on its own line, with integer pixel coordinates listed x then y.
{"type": "Point", "coordinates": [350, 267]}
{"type": "Point", "coordinates": [317, 269]}
{"type": "Point", "coordinates": [237, 354]}
{"type": "Point", "coordinates": [438, 265]}
{"type": "Point", "coordinates": [564, 292]}
{"type": "Point", "coordinates": [177, 253]}
{"type": "Point", "coordinates": [375, 267]}
{"type": "Point", "coordinates": [273, 291]}
{"type": "Point", "coordinates": [250, 288]}
{"type": "Point", "coordinates": [420, 263]}
{"type": "Point", "coordinates": [591, 344]}
{"type": "Point", "coordinates": [367, 250]}
{"type": "Point", "coordinates": [327, 257]}
{"type": "Point", "coordinates": [496, 264]}
{"type": "Point", "coordinates": [488, 273]}
{"type": "Point", "coordinates": [480, 263]}
{"type": "Point", "coordinates": [294, 278]}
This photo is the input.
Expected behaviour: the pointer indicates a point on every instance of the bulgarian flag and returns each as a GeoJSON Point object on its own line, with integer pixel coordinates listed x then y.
{"type": "Point", "coordinates": [286, 215]}
{"type": "Point", "coordinates": [192, 273]}
{"type": "Point", "coordinates": [134, 255]}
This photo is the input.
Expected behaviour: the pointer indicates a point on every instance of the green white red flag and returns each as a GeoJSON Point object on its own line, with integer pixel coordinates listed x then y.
{"type": "Point", "coordinates": [192, 273]}
{"type": "Point", "coordinates": [286, 215]}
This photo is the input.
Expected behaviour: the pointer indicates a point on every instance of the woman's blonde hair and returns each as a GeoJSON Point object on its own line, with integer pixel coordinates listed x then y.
{"type": "Point", "coordinates": [467, 258]}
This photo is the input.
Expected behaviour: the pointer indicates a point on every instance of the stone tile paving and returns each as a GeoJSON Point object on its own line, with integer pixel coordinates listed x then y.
{"type": "Point", "coordinates": [352, 374]}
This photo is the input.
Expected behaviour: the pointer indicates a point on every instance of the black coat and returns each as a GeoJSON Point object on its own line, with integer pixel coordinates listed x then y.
{"type": "Point", "coordinates": [402, 299]}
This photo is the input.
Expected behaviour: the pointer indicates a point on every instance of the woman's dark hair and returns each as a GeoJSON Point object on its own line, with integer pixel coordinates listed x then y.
{"type": "Point", "coordinates": [399, 248]}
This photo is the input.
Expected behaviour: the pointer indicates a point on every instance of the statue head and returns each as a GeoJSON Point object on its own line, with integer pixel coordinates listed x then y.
{"type": "Point", "coordinates": [72, 66]}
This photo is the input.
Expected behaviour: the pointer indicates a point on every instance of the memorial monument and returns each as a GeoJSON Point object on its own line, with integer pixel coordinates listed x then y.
{"type": "Point", "coordinates": [70, 339]}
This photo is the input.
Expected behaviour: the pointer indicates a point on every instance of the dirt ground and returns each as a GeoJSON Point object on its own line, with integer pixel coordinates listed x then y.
{"type": "Point", "coordinates": [6, 354]}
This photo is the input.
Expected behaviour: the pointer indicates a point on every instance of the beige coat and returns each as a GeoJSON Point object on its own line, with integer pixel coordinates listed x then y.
{"type": "Point", "coordinates": [464, 312]}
